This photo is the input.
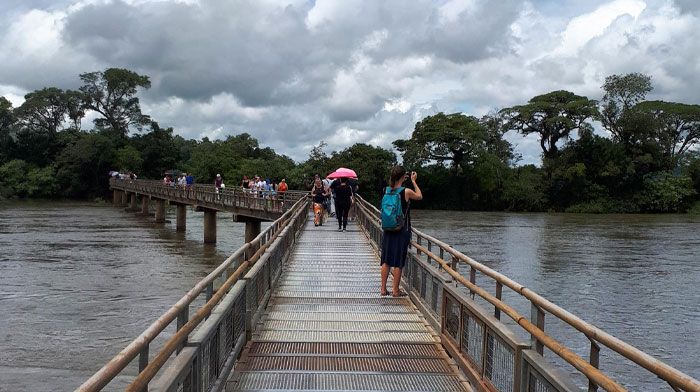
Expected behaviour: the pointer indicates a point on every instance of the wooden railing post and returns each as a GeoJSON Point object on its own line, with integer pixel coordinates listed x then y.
{"type": "Point", "coordinates": [537, 318]}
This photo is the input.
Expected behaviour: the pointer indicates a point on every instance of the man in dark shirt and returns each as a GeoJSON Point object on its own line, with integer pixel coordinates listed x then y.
{"type": "Point", "coordinates": [343, 201]}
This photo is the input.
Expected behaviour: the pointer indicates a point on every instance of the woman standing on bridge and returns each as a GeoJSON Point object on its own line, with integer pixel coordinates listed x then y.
{"type": "Point", "coordinates": [395, 242]}
{"type": "Point", "coordinates": [318, 195]}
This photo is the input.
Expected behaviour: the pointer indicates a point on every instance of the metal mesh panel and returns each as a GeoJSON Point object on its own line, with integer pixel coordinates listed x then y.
{"type": "Point", "coordinates": [266, 277]}
{"type": "Point", "coordinates": [239, 317]}
{"type": "Point", "coordinates": [225, 337]}
{"type": "Point", "coordinates": [416, 276]}
{"type": "Point", "coordinates": [251, 293]}
{"type": "Point", "coordinates": [500, 363]}
{"type": "Point", "coordinates": [537, 383]}
{"type": "Point", "coordinates": [213, 358]}
{"type": "Point", "coordinates": [423, 277]}
{"type": "Point", "coordinates": [434, 296]}
{"type": "Point", "coordinates": [204, 369]}
{"type": "Point", "coordinates": [428, 288]}
{"type": "Point", "coordinates": [187, 385]}
{"type": "Point", "coordinates": [452, 318]}
{"type": "Point", "coordinates": [472, 338]}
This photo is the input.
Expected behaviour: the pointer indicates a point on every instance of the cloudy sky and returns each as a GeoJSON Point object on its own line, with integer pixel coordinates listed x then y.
{"type": "Point", "coordinates": [294, 72]}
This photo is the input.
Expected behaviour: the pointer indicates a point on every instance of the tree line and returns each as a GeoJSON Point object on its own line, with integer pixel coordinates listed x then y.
{"type": "Point", "coordinates": [647, 163]}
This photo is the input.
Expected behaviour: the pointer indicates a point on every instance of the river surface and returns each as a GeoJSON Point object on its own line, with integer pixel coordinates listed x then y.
{"type": "Point", "coordinates": [79, 281]}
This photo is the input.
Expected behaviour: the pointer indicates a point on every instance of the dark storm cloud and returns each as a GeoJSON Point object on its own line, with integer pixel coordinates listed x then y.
{"type": "Point", "coordinates": [268, 57]}
{"type": "Point", "coordinates": [194, 51]}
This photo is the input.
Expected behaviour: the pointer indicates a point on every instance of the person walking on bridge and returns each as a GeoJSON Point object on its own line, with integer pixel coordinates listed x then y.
{"type": "Point", "coordinates": [218, 182]}
{"type": "Point", "coordinates": [396, 223]}
{"type": "Point", "coordinates": [318, 195]}
{"type": "Point", "coordinates": [343, 201]}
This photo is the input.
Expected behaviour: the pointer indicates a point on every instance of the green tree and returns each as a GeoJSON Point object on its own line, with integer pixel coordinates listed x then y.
{"type": "Point", "coordinates": [524, 190]}
{"type": "Point", "coordinates": [159, 151]}
{"type": "Point", "coordinates": [45, 110]}
{"type": "Point", "coordinates": [7, 121]}
{"type": "Point", "coordinates": [665, 192]}
{"type": "Point", "coordinates": [83, 166]}
{"type": "Point", "coordinates": [112, 94]}
{"type": "Point", "coordinates": [128, 158]}
{"type": "Point", "coordinates": [553, 116]}
{"type": "Point", "coordinates": [622, 93]}
{"type": "Point", "coordinates": [454, 138]}
{"type": "Point", "coordinates": [674, 127]}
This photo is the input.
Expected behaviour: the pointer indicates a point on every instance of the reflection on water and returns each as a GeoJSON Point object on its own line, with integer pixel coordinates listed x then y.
{"type": "Point", "coordinates": [635, 276]}
{"type": "Point", "coordinates": [79, 281]}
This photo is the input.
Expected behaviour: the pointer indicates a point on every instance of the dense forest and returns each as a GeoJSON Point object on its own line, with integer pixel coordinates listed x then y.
{"type": "Point", "coordinates": [648, 163]}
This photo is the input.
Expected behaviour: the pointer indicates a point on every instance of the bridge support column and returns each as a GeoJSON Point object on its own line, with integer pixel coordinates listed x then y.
{"type": "Point", "coordinates": [252, 229]}
{"type": "Point", "coordinates": [144, 204]}
{"type": "Point", "coordinates": [209, 226]}
{"type": "Point", "coordinates": [160, 211]}
{"type": "Point", "coordinates": [132, 202]}
{"type": "Point", "coordinates": [116, 197]}
{"type": "Point", "coordinates": [181, 221]}
{"type": "Point", "coordinates": [125, 198]}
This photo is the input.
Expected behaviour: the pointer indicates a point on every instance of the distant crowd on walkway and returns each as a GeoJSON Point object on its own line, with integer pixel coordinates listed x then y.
{"type": "Point", "coordinates": [183, 181]}
{"type": "Point", "coordinates": [268, 188]}
{"type": "Point", "coordinates": [123, 175]}
{"type": "Point", "coordinates": [333, 197]}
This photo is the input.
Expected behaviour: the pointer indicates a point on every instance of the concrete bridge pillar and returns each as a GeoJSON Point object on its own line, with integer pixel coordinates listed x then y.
{"type": "Point", "coordinates": [181, 222]}
{"type": "Point", "coordinates": [209, 226]}
{"type": "Point", "coordinates": [252, 230]}
{"type": "Point", "coordinates": [116, 197]}
{"type": "Point", "coordinates": [132, 202]}
{"type": "Point", "coordinates": [160, 211]}
{"type": "Point", "coordinates": [144, 204]}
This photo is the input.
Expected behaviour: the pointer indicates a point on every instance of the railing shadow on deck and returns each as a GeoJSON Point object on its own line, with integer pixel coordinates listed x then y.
{"type": "Point", "coordinates": [492, 356]}
{"type": "Point", "coordinates": [207, 343]}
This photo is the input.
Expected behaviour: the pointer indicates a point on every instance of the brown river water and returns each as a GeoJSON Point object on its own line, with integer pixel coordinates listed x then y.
{"type": "Point", "coordinates": [78, 281]}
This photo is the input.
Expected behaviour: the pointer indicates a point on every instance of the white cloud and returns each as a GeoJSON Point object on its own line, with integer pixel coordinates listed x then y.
{"type": "Point", "coordinates": [584, 28]}
{"type": "Point", "coordinates": [13, 94]}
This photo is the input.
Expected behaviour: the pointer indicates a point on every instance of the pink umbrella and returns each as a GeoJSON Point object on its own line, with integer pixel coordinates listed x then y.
{"type": "Point", "coordinates": [343, 172]}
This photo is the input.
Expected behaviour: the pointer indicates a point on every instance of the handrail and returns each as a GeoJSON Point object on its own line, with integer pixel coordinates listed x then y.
{"type": "Point", "coordinates": [672, 376]}
{"type": "Point", "coordinates": [173, 343]}
{"type": "Point", "coordinates": [112, 368]}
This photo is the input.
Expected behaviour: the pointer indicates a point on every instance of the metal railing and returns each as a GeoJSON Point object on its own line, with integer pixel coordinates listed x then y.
{"type": "Point", "coordinates": [488, 351]}
{"type": "Point", "coordinates": [223, 324]}
{"type": "Point", "coordinates": [206, 195]}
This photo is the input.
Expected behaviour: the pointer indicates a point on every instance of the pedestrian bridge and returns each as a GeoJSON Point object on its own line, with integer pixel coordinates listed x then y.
{"type": "Point", "coordinates": [242, 204]}
{"type": "Point", "coordinates": [297, 308]}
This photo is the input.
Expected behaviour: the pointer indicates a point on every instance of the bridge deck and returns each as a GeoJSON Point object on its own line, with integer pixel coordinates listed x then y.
{"type": "Point", "coordinates": [327, 329]}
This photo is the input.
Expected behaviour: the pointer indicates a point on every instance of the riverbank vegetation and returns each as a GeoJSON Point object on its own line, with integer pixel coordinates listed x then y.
{"type": "Point", "coordinates": [620, 154]}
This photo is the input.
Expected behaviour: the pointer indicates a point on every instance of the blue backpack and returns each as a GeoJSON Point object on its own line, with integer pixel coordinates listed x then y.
{"type": "Point", "coordinates": [391, 211]}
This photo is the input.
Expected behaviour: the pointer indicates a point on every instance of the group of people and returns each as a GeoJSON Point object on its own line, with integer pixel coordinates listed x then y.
{"type": "Point", "coordinates": [333, 198]}
{"type": "Point", "coordinates": [395, 218]}
{"type": "Point", "coordinates": [265, 188]}
{"type": "Point", "coordinates": [123, 175]}
{"type": "Point", "coordinates": [184, 181]}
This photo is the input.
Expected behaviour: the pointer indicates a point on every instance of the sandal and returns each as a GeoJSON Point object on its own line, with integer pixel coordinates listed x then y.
{"type": "Point", "coordinates": [401, 293]}
{"type": "Point", "coordinates": [384, 293]}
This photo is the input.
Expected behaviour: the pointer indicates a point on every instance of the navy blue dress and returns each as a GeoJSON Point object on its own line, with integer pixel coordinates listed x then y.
{"type": "Point", "coordinates": [395, 243]}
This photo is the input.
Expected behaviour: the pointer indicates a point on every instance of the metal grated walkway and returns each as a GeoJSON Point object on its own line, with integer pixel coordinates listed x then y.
{"type": "Point", "coordinates": [326, 328]}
